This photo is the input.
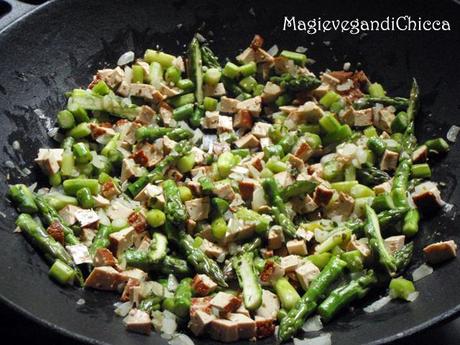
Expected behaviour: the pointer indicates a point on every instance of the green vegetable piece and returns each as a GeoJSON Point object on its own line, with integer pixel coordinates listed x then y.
{"type": "Point", "coordinates": [329, 98]}
{"type": "Point", "coordinates": [155, 218]}
{"type": "Point", "coordinates": [248, 279]}
{"type": "Point", "coordinates": [401, 288]}
{"type": "Point", "coordinates": [286, 293]}
{"type": "Point", "coordinates": [298, 58]}
{"type": "Point", "coordinates": [376, 90]}
{"type": "Point", "coordinates": [23, 198]}
{"type": "Point", "coordinates": [62, 273]}
{"type": "Point", "coordinates": [65, 119]}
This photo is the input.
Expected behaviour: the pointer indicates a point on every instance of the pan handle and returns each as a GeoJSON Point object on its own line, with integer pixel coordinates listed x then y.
{"type": "Point", "coordinates": [16, 9]}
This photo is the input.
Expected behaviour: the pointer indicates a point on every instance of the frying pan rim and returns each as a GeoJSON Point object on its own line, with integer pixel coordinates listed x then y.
{"type": "Point", "coordinates": [443, 317]}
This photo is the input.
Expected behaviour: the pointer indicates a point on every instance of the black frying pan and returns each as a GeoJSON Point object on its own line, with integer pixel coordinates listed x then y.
{"type": "Point", "coordinates": [59, 45]}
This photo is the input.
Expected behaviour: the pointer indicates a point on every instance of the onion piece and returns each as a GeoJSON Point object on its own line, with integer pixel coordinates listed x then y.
{"type": "Point", "coordinates": [273, 50]}
{"type": "Point", "coordinates": [172, 283]}
{"type": "Point", "coordinates": [413, 296]}
{"type": "Point", "coordinates": [126, 58]}
{"type": "Point", "coordinates": [313, 324]}
{"type": "Point", "coordinates": [421, 272]}
{"type": "Point", "coordinates": [123, 309]}
{"type": "Point", "coordinates": [452, 133]}
{"type": "Point", "coordinates": [169, 326]}
{"type": "Point", "coordinates": [377, 305]}
{"type": "Point", "coordinates": [324, 339]}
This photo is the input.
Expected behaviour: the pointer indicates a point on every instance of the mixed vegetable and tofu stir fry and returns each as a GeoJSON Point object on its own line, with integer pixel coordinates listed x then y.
{"type": "Point", "coordinates": [236, 197]}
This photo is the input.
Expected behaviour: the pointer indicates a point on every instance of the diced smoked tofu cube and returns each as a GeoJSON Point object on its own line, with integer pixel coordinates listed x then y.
{"type": "Point", "coordinates": [265, 142]}
{"type": "Point", "coordinates": [270, 305]}
{"type": "Point", "coordinates": [142, 90]}
{"type": "Point", "coordinates": [105, 278]}
{"type": "Point", "coordinates": [136, 274]}
{"type": "Point", "coordinates": [100, 201]}
{"type": "Point", "coordinates": [247, 141]}
{"type": "Point", "coordinates": [264, 327]}
{"type": "Point", "coordinates": [121, 240]}
{"type": "Point", "coordinates": [271, 92]}
{"type": "Point", "coordinates": [87, 218]}
{"type": "Point", "coordinates": [169, 91]}
{"type": "Point", "coordinates": [302, 150]}
{"type": "Point", "coordinates": [223, 330]}
{"type": "Point", "coordinates": [146, 115]}
{"type": "Point", "coordinates": [104, 257]}
{"type": "Point", "coordinates": [247, 56]}
{"type": "Point", "coordinates": [48, 160]}
{"type": "Point", "coordinates": [427, 197]}
{"type": "Point", "coordinates": [214, 90]}
{"type": "Point", "coordinates": [394, 243]}
{"type": "Point", "coordinates": [242, 119]}
{"type": "Point", "coordinates": [150, 191]}
{"type": "Point", "coordinates": [362, 247]}
{"type": "Point", "coordinates": [305, 273]}
{"type": "Point", "coordinates": [389, 160]}
{"type": "Point", "coordinates": [346, 116]}
{"type": "Point", "coordinates": [297, 247]}
{"type": "Point", "coordinates": [329, 79]}
{"type": "Point", "coordinates": [420, 154]}
{"type": "Point", "coordinates": [137, 221]}
{"type": "Point", "coordinates": [225, 302]}
{"type": "Point", "coordinates": [247, 188]}
{"type": "Point", "coordinates": [198, 209]}
{"type": "Point", "coordinates": [118, 210]}
{"type": "Point", "coordinates": [253, 105]}
{"type": "Point", "coordinates": [228, 105]}
{"type": "Point", "coordinates": [79, 253]}
{"type": "Point", "coordinates": [199, 322]}
{"type": "Point", "coordinates": [109, 190]}
{"type": "Point", "coordinates": [200, 304]}
{"type": "Point", "coordinates": [165, 112]}
{"type": "Point", "coordinates": [275, 237]}
{"type": "Point", "coordinates": [342, 207]}
{"type": "Point", "coordinates": [384, 187]}
{"type": "Point", "coordinates": [246, 326]}
{"type": "Point", "coordinates": [112, 77]}
{"type": "Point", "coordinates": [385, 118]}
{"type": "Point", "coordinates": [261, 129]}
{"type": "Point", "coordinates": [68, 214]}
{"type": "Point", "coordinates": [289, 263]}
{"type": "Point", "coordinates": [128, 169]}
{"type": "Point", "coordinates": [295, 162]}
{"type": "Point", "coordinates": [211, 120]}
{"type": "Point", "coordinates": [202, 285]}
{"type": "Point", "coordinates": [211, 249]}
{"type": "Point", "coordinates": [271, 272]}
{"type": "Point", "coordinates": [322, 195]}
{"type": "Point", "coordinates": [224, 191]}
{"type": "Point", "coordinates": [438, 252]}
{"type": "Point", "coordinates": [138, 321]}
{"type": "Point", "coordinates": [308, 112]}
{"type": "Point", "coordinates": [283, 179]}
{"type": "Point", "coordinates": [126, 294]}
{"type": "Point", "coordinates": [363, 118]}
{"type": "Point", "coordinates": [242, 310]}
{"type": "Point", "coordinates": [321, 90]}
{"type": "Point", "coordinates": [225, 124]}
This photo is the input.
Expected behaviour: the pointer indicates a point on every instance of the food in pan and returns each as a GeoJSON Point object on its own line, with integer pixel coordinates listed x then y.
{"type": "Point", "coordinates": [233, 198]}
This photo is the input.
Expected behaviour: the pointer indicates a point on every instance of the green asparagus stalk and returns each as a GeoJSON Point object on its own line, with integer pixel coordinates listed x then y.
{"type": "Point", "coordinates": [399, 103]}
{"type": "Point", "coordinates": [372, 231]}
{"type": "Point", "coordinates": [183, 297]}
{"type": "Point", "coordinates": [404, 256]}
{"type": "Point", "coordinates": [296, 83]}
{"type": "Point", "coordinates": [153, 133]}
{"type": "Point", "coordinates": [110, 103]}
{"type": "Point", "coordinates": [298, 188]}
{"type": "Point", "coordinates": [371, 176]}
{"type": "Point", "coordinates": [307, 304]}
{"type": "Point", "coordinates": [278, 207]}
{"type": "Point", "coordinates": [195, 68]}
{"type": "Point", "coordinates": [152, 256]}
{"type": "Point", "coordinates": [101, 240]}
{"type": "Point", "coordinates": [248, 279]}
{"type": "Point", "coordinates": [344, 295]}
{"type": "Point", "coordinates": [23, 198]}
{"type": "Point", "coordinates": [174, 208]}
{"type": "Point", "coordinates": [50, 248]}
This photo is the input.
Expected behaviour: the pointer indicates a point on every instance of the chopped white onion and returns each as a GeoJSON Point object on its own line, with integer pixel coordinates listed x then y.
{"type": "Point", "coordinates": [313, 324]}
{"type": "Point", "coordinates": [345, 86]}
{"type": "Point", "coordinates": [301, 49]}
{"type": "Point", "coordinates": [16, 145]}
{"type": "Point", "coordinates": [169, 326]}
{"type": "Point", "coordinates": [197, 136]}
{"type": "Point", "coordinates": [421, 272]}
{"type": "Point", "coordinates": [123, 309]}
{"type": "Point", "coordinates": [172, 283]}
{"type": "Point", "coordinates": [81, 301]}
{"type": "Point", "coordinates": [126, 58]}
{"type": "Point", "coordinates": [181, 339]}
{"type": "Point", "coordinates": [413, 296]}
{"type": "Point", "coordinates": [346, 66]}
{"type": "Point", "coordinates": [324, 339]}
{"type": "Point", "coordinates": [377, 305]}
{"type": "Point", "coordinates": [452, 133]}
{"type": "Point", "coordinates": [273, 50]}
{"type": "Point", "coordinates": [221, 257]}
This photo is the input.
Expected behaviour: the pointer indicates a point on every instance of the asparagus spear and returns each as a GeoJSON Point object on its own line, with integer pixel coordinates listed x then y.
{"type": "Point", "coordinates": [195, 68]}
{"type": "Point", "coordinates": [153, 255]}
{"type": "Point", "coordinates": [298, 188]}
{"type": "Point", "coordinates": [371, 176]}
{"type": "Point", "coordinates": [183, 297]}
{"type": "Point", "coordinates": [286, 293]}
{"type": "Point", "coordinates": [174, 208]}
{"type": "Point", "coordinates": [386, 218]}
{"type": "Point", "coordinates": [50, 248]}
{"type": "Point", "coordinates": [344, 295]}
{"type": "Point", "coordinates": [399, 103]}
{"type": "Point", "coordinates": [296, 83]}
{"type": "Point", "coordinates": [243, 265]}
{"type": "Point", "coordinates": [49, 215]}
{"type": "Point", "coordinates": [23, 198]}
{"type": "Point", "coordinates": [153, 133]}
{"type": "Point", "coordinates": [110, 103]}
{"type": "Point", "coordinates": [101, 240]}
{"type": "Point", "coordinates": [278, 207]}
{"type": "Point", "coordinates": [209, 58]}
{"type": "Point", "coordinates": [150, 304]}
{"type": "Point", "coordinates": [372, 231]}
{"type": "Point", "coordinates": [307, 304]}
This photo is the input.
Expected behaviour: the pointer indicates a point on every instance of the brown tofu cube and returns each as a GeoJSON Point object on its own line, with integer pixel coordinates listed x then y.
{"type": "Point", "coordinates": [246, 325]}
{"type": "Point", "coordinates": [138, 321]}
{"type": "Point", "coordinates": [126, 294]}
{"type": "Point", "coordinates": [270, 305]}
{"type": "Point", "coordinates": [121, 240]}
{"type": "Point", "coordinates": [246, 189]}
{"type": "Point", "coordinates": [138, 222]}
{"type": "Point", "coordinates": [109, 190]}
{"type": "Point", "coordinates": [275, 238]}
{"type": "Point", "coordinates": [200, 321]}
{"type": "Point", "coordinates": [264, 327]}
{"type": "Point", "coordinates": [302, 150]}
{"type": "Point", "coordinates": [228, 105]}
{"type": "Point", "coordinates": [223, 330]}
{"type": "Point", "coordinates": [198, 209]}
{"type": "Point", "coordinates": [322, 195]}
{"type": "Point", "coordinates": [389, 160]}
{"type": "Point", "coordinates": [362, 247]}
{"type": "Point", "coordinates": [248, 141]}
{"type": "Point", "coordinates": [225, 302]}
{"type": "Point", "coordinates": [420, 154]}
{"type": "Point", "coordinates": [242, 119]}
{"type": "Point", "coordinates": [105, 278]}
{"type": "Point", "coordinates": [290, 263]}
{"type": "Point", "coordinates": [200, 304]}
{"type": "Point", "coordinates": [202, 285]}
{"type": "Point", "coordinates": [363, 118]}
{"type": "Point", "coordinates": [297, 247]}
{"type": "Point", "coordinates": [436, 253]}
{"type": "Point", "coordinates": [104, 257]}
{"type": "Point", "coordinates": [305, 273]}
